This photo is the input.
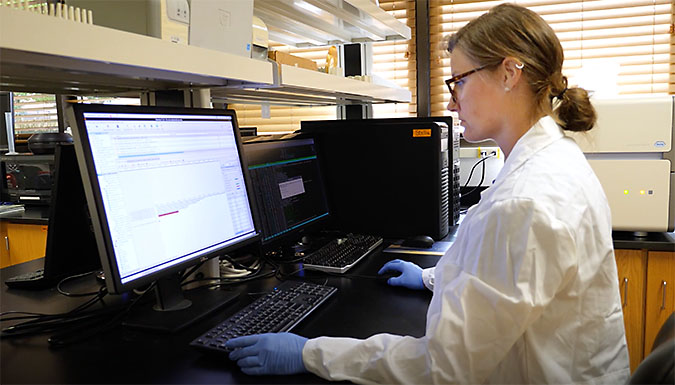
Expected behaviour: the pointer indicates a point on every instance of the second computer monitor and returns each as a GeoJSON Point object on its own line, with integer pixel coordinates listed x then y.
{"type": "Point", "coordinates": [287, 185]}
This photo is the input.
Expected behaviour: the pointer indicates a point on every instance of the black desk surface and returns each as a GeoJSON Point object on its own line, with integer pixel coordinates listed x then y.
{"type": "Point", "coordinates": [33, 215]}
{"type": "Point", "coordinates": [361, 307]}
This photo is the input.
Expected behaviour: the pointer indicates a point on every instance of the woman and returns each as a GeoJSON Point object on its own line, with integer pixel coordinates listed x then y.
{"type": "Point", "coordinates": [529, 290]}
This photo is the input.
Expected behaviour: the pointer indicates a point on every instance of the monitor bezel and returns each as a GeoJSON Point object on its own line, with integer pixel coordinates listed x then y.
{"type": "Point", "coordinates": [94, 199]}
{"type": "Point", "coordinates": [293, 235]}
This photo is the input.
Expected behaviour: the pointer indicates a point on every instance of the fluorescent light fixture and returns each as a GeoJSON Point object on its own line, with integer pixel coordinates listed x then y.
{"type": "Point", "coordinates": [308, 7]}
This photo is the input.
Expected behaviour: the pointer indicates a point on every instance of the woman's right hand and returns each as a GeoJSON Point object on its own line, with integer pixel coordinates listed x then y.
{"type": "Point", "coordinates": [411, 274]}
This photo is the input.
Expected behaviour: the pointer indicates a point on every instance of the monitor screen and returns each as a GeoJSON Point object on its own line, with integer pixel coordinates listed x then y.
{"type": "Point", "coordinates": [287, 186]}
{"type": "Point", "coordinates": [166, 185]}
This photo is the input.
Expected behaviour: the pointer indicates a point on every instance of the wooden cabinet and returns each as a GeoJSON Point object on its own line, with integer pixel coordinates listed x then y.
{"type": "Point", "coordinates": [4, 252]}
{"type": "Point", "coordinates": [647, 296]}
{"type": "Point", "coordinates": [21, 242]}
{"type": "Point", "coordinates": [632, 269]}
{"type": "Point", "coordinates": [659, 298]}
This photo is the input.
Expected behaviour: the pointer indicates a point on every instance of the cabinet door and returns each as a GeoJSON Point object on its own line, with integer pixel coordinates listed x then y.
{"type": "Point", "coordinates": [660, 301]}
{"type": "Point", "coordinates": [4, 246]}
{"type": "Point", "coordinates": [632, 269]}
{"type": "Point", "coordinates": [26, 242]}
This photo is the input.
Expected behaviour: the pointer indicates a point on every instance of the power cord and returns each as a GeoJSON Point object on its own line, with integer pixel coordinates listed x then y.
{"type": "Point", "coordinates": [230, 268]}
{"type": "Point", "coordinates": [92, 326]}
{"type": "Point", "coordinates": [40, 323]}
{"type": "Point", "coordinates": [68, 294]}
{"type": "Point", "coordinates": [244, 273]}
{"type": "Point", "coordinates": [482, 178]}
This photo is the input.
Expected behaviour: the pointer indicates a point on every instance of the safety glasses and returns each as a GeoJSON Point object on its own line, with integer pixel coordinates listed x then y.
{"type": "Point", "coordinates": [452, 82]}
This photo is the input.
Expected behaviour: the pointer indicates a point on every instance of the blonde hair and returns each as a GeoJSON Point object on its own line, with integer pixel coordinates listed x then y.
{"type": "Point", "coordinates": [515, 31]}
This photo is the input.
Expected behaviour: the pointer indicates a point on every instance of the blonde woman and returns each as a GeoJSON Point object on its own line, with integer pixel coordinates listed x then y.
{"type": "Point", "coordinates": [528, 293]}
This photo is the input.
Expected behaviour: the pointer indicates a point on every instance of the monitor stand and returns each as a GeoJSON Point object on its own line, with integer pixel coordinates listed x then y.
{"type": "Point", "coordinates": [176, 309]}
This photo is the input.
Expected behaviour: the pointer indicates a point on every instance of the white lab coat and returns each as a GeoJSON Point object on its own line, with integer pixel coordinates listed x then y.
{"type": "Point", "coordinates": [528, 293]}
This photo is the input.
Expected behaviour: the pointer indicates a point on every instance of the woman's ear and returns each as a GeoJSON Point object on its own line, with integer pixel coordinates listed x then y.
{"type": "Point", "coordinates": [512, 72]}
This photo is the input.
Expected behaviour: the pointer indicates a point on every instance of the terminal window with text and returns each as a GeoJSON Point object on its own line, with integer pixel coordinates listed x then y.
{"type": "Point", "coordinates": [287, 185]}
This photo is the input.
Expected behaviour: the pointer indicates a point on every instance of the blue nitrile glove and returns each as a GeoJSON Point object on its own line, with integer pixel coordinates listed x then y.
{"type": "Point", "coordinates": [270, 353]}
{"type": "Point", "coordinates": [411, 274]}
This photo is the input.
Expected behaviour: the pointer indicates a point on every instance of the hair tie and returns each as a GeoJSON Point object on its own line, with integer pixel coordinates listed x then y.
{"type": "Point", "coordinates": [560, 95]}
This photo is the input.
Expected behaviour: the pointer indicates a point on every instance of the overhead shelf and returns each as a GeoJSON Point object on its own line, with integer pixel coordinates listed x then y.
{"type": "Point", "coordinates": [61, 56]}
{"type": "Point", "coordinates": [298, 86]}
{"type": "Point", "coordinates": [66, 57]}
{"type": "Point", "coordinates": [325, 22]}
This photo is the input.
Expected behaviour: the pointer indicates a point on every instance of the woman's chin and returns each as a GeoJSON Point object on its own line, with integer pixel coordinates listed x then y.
{"type": "Point", "coordinates": [469, 135]}
{"type": "Point", "coordinates": [472, 136]}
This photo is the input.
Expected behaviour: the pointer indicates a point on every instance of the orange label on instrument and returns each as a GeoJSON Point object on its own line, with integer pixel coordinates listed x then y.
{"type": "Point", "coordinates": [422, 133]}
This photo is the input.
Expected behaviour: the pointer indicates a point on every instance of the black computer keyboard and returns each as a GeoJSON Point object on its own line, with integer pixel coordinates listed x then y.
{"type": "Point", "coordinates": [277, 311]}
{"type": "Point", "coordinates": [340, 254]}
{"type": "Point", "coordinates": [31, 280]}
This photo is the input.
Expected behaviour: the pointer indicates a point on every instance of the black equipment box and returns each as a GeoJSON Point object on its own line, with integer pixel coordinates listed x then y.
{"type": "Point", "coordinates": [394, 177]}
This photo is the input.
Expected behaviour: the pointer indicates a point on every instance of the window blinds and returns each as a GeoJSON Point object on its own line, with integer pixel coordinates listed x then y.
{"type": "Point", "coordinates": [613, 47]}
{"type": "Point", "coordinates": [396, 61]}
{"type": "Point", "coordinates": [36, 113]}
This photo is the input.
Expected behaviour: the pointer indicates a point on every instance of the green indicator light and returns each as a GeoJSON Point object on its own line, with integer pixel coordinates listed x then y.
{"type": "Point", "coordinates": [625, 192]}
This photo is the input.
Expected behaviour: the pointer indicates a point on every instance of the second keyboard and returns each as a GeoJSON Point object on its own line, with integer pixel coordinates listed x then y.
{"type": "Point", "coordinates": [340, 254]}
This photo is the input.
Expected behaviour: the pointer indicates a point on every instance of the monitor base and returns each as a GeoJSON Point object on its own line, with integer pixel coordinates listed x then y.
{"type": "Point", "coordinates": [203, 303]}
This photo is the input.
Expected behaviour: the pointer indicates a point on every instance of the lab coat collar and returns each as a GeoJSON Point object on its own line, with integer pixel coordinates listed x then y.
{"type": "Point", "coordinates": [538, 137]}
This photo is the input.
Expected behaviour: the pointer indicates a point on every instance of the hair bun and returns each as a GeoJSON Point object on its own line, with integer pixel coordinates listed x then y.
{"type": "Point", "coordinates": [575, 111]}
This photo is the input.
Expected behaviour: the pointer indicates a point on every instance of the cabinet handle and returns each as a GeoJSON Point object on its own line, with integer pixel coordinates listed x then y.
{"type": "Point", "coordinates": [625, 291]}
{"type": "Point", "coordinates": [7, 243]}
{"type": "Point", "coordinates": [663, 299]}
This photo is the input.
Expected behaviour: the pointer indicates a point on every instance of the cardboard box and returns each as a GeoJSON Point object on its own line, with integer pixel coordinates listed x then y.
{"type": "Point", "coordinates": [288, 59]}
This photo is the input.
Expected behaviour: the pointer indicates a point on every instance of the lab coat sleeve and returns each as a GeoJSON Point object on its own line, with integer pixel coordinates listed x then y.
{"type": "Point", "coordinates": [428, 278]}
{"type": "Point", "coordinates": [506, 269]}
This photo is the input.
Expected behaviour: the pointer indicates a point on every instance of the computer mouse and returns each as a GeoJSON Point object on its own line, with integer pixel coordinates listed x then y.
{"type": "Point", "coordinates": [384, 277]}
{"type": "Point", "coordinates": [419, 241]}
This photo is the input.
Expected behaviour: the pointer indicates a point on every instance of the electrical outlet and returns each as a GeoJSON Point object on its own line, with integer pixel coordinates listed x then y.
{"type": "Point", "coordinates": [484, 152]}
{"type": "Point", "coordinates": [178, 10]}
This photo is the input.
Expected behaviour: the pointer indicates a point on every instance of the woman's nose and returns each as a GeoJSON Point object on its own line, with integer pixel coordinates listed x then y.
{"type": "Point", "coordinates": [452, 105]}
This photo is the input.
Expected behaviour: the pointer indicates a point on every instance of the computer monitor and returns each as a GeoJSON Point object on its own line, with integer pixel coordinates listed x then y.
{"type": "Point", "coordinates": [71, 246]}
{"type": "Point", "coordinates": [6, 105]}
{"type": "Point", "coordinates": [288, 188]}
{"type": "Point", "coordinates": [248, 131]}
{"type": "Point", "coordinates": [166, 189]}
